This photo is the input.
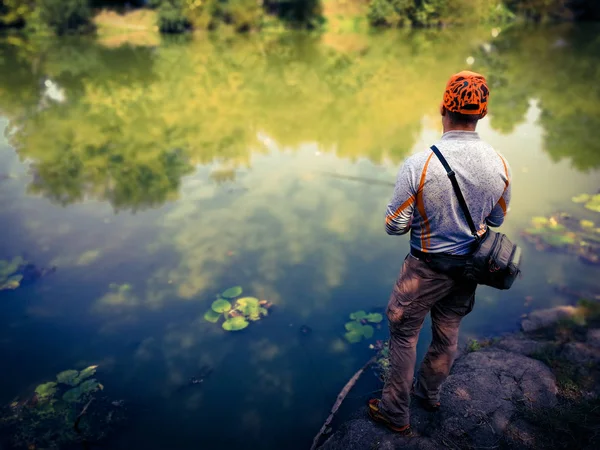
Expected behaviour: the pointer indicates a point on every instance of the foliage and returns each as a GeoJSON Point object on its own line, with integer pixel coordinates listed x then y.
{"type": "Point", "coordinates": [297, 13]}
{"type": "Point", "coordinates": [357, 328]}
{"type": "Point", "coordinates": [564, 233]}
{"type": "Point", "coordinates": [235, 324]}
{"type": "Point", "coordinates": [46, 419]}
{"type": "Point", "coordinates": [237, 316]}
{"type": "Point", "coordinates": [15, 13]}
{"type": "Point", "coordinates": [243, 15]}
{"type": "Point", "coordinates": [232, 292]}
{"type": "Point", "coordinates": [63, 16]}
{"type": "Point", "coordinates": [212, 316]}
{"type": "Point", "coordinates": [171, 17]}
{"type": "Point", "coordinates": [46, 390]}
{"type": "Point", "coordinates": [221, 306]}
{"type": "Point", "coordinates": [10, 279]}
{"type": "Point", "coordinates": [427, 13]}
{"type": "Point", "coordinates": [68, 377]}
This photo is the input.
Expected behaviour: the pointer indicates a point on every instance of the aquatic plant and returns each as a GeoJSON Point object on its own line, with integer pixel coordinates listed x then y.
{"type": "Point", "coordinates": [235, 323]}
{"type": "Point", "coordinates": [357, 328]}
{"type": "Point", "coordinates": [232, 292]}
{"type": "Point", "coordinates": [212, 316]}
{"type": "Point", "coordinates": [221, 305]}
{"type": "Point", "coordinates": [238, 315]}
{"type": "Point", "coordinates": [564, 233]}
{"type": "Point", "coordinates": [591, 202]}
{"type": "Point", "coordinates": [10, 278]}
{"type": "Point", "coordinates": [65, 408]}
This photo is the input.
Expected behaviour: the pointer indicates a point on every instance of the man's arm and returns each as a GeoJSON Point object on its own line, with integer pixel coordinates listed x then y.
{"type": "Point", "coordinates": [496, 217]}
{"type": "Point", "coordinates": [399, 212]}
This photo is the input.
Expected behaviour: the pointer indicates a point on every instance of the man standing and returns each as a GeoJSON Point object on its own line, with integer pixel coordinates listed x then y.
{"type": "Point", "coordinates": [425, 204]}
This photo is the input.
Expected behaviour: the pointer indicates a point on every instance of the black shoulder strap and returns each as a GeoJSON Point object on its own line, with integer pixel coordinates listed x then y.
{"type": "Point", "coordinates": [461, 199]}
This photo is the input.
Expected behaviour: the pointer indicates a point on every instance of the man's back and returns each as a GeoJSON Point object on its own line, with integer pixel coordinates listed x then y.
{"type": "Point", "coordinates": [425, 193]}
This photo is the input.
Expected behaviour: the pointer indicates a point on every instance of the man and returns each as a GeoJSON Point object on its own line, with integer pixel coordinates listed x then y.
{"type": "Point", "coordinates": [425, 204]}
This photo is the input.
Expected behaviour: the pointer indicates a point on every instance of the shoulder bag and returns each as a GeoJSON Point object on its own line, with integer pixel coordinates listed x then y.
{"type": "Point", "coordinates": [496, 261]}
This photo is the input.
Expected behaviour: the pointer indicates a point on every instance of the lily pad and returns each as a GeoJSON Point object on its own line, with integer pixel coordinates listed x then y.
{"type": "Point", "coordinates": [594, 203]}
{"type": "Point", "coordinates": [367, 331]}
{"type": "Point", "coordinates": [586, 224]}
{"type": "Point", "coordinates": [540, 221]}
{"type": "Point", "coordinates": [374, 317]}
{"type": "Point", "coordinates": [232, 292]}
{"type": "Point", "coordinates": [221, 306]}
{"type": "Point", "coordinates": [68, 377]}
{"type": "Point", "coordinates": [11, 283]}
{"type": "Point", "coordinates": [358, 315]}
{"type": "Point", "coordinates": [353, 337]}
{"type": "Point", "coordinates": [249, 307]}
{"type": "Point", "coordinates": [85, 373]}
{"type": "Point", "coordinates": [581, 198]}
{"type": "Point", "coordinates": [235, 324]}
{"type": "Point", "coordinates": [87, 387]}
{"type": "Point", "coordinates": [354, 326]}
{"type": "Point", "coordinates": [559, 240]}
{"type": "Point", "coordinates": [211, 316]}
{"type": "Point", "coordinates": [8, 268]}
{"type": "Point", "coordinates": [46, 390]}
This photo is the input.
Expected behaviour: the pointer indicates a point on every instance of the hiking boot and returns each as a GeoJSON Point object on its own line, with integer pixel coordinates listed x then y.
{"type": "Point", "coordinates": [376, 416]}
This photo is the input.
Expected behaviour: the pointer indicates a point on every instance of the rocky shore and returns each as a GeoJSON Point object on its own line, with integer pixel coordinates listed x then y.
{"type": "Point", "coordinates": [539, 388]}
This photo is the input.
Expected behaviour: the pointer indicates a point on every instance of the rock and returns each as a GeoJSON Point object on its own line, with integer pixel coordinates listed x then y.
{"type": "Point", "coordinates": [593, 338]}
{"type": "Point", "coordinates": [543, 318]}
{"type": "Point", "coordinates": [581, 354]}
{"type": "Point", "coordinates": [479, 405]}
{"type": "Point", "coordinates": [518, 343]}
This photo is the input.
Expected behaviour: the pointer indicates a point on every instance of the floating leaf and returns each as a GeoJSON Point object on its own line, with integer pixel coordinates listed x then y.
{"type": "Point", "coordinates": [263, 312]}
{"type": "Point", "coordinates": [235, 324]}
{"type": "Point", "coordinates": [594, 203]}
{"type": "Point", "coordinates": [68, 377]}
{"type": "Point", "coordinates": [586, 224]}
{"type": "Point", "coordinates": [75, 394]}
{"type": "Point", "coordinates": [249, 307]}
{"type": "Point", "coordinates": [212, 316]}
{"type": "Point", "coordinates": [540, 221]}
{"type": "Point", "coordinates": [581, 198]}
{"type": "Point", "coordinates": [46, 390]}
{"type": "Point", "coordinates": [221, 306]}
{"type": "Point", "coordinates": [559, 240]}
{"type": "Point", "coordinates": [367, 331]}
{"type": "Point", "coordinates": [374, 317]}
{"type": "Point", "coordinates": [11, 283]}
{"type": "Point", "coordinates": [232, 292]}
{"type": "Point", "coordinates": [353, 337]}
{"type": "Point", "coordinates": [85, 373]}
{"type": "Point", "coordinates": [353, 326]}
{"type": "Point", "coordinates": [9, 268]}
{"type": "Point", "coordinates": [358, 315]}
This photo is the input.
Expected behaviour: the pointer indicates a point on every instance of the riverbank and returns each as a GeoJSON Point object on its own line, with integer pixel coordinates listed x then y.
{"type": "Point", "coordinates": [539, 388]}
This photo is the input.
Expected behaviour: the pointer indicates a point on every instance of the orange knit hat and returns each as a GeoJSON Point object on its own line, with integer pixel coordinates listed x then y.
{"type": "Point", "coordinates": [467, 93]}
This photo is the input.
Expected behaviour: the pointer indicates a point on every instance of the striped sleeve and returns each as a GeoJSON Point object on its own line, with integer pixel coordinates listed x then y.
{"type": "Point", "coordinates": [496, 217]}
{"type": "Point", "coordinates": [399, 211]}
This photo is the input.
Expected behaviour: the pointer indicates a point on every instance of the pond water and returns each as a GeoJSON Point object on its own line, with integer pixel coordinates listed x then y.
{"type": "Point", "coordinates": [264, 162]}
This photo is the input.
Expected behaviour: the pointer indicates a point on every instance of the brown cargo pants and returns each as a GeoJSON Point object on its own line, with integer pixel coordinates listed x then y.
{"type": "Point", "coordinates": [418, 290]}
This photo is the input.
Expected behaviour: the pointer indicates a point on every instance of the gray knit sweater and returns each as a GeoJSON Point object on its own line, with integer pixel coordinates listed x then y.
{"type": "Point", "coordinates": [425, 203]}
